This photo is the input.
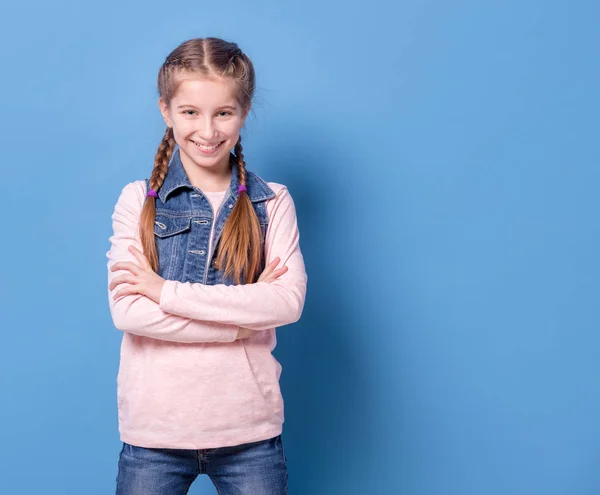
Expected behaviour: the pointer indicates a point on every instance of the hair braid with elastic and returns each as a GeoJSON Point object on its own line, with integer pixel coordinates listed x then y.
{"type": "Point", "coordinates": [241, 239]}
{"type": "Point", "coordinates": [148, 215]}
{"type": "Point", "coordinates": [239, 160]}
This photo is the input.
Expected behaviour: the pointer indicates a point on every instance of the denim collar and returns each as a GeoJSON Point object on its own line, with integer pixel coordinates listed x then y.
{"type": "Point", "coordinates": [257, 188]}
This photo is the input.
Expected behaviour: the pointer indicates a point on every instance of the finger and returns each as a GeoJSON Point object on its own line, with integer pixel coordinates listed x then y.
{"type": "Point", "coordinates": [271, 266]}
{"type": "Point", "coordinates": [126, 265]}
{"type": "Point", "coordinates": [139, 256]}
{"type": "Point", "coordinates": [280, 271]}
{"type": "Point", "coordinates": [122, 279]}
{"type": "Point", "coordinates": [127, 291]}
{"type": "Point", "coordinates": [276, 274]}
{"type": "Point", "coordinates": [273, 276]}
{"type": "Point", "coordinates": [120, 293]}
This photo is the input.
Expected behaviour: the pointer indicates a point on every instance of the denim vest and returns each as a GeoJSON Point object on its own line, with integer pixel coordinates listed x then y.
{"type": "Point", "coordinates": [184, 219]}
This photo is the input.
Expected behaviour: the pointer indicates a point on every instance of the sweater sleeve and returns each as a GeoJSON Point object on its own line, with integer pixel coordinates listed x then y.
{"type": "Point", "coordinates": [136, 313]}
{"type": "Point", "coordinates": [257, 306]}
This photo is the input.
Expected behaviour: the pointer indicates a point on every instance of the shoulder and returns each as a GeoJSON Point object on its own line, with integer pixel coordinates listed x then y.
{"type": "Point", "coordinates": [282, 203]}
{"type": "Point", "coordinates": [274, 194]}
{"type": "Point", "coordinates": [278, 189]}
{"type": "Point", "coordinates": [135, 189]}
{"type": "Point", "coordinates": [132, 196]}
{"type": "Point", "coordinates": [267, 188]}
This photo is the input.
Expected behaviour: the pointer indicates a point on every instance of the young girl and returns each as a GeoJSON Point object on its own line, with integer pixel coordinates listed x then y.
{"type": "Point", "coordinates": [191, 288]}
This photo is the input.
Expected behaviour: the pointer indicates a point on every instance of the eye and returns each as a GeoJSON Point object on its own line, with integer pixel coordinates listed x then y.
{"type": "Point", "coordinates": [225, 112]}
{"type": "Point", "coordinates": [186, 111]}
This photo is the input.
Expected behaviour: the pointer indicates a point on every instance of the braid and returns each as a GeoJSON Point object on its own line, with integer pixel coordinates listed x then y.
{"type": "Point", "coordinates": [161, 160]}
{"type": "Point", "coordinates": [241, 245]}
{"type": "Point", "coordinates": [239, 159]}
{"type": "Point", "coordinates": [148, 215]}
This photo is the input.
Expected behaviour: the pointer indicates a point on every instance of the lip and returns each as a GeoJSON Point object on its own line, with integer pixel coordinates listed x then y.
{"type": "Point", "coordinates": [210, 152]}
{"type": "Point", "coordinates": [207, 144]}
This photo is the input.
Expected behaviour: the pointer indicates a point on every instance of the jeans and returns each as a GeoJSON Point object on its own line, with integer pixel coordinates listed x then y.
{"type": "Point", "coordinates": [255, 468]}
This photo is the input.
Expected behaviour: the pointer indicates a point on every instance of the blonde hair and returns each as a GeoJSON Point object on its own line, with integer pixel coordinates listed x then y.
{"type": "Point", "coordinates": [240, 244]}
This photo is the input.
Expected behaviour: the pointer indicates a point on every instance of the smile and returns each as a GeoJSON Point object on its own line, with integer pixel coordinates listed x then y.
{"type": "Point", "coordinates": [207, 148]}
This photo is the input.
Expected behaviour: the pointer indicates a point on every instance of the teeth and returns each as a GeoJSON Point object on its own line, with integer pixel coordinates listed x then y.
{"type": "Point", "coordinates": [206, 148]}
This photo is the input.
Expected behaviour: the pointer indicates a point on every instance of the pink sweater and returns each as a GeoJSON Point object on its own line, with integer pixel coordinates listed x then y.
{"type": "Point", "coordinates": [184, 380]}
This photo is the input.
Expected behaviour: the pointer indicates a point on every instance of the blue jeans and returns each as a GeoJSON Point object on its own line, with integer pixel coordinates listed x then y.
{"type": "Point", "coordinates": [255, 468]}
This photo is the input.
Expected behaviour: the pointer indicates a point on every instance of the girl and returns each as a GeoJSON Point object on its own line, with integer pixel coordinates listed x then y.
{"type": "Point", "coordinates": [190, 287]}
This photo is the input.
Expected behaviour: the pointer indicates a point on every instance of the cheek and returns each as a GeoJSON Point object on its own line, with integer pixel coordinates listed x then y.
{"type": "Point", "coordinates": [182, 128]}
{"type": "Point", "coordinates": [182, 132]}
{"type": "Point", "coordinates": [230, 128]}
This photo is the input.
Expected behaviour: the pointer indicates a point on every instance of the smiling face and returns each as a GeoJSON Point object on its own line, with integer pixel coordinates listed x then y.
{"type": "Point", "coordinates": [206, 119]}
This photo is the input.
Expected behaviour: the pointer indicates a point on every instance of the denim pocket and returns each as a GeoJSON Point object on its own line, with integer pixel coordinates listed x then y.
{"type": "Point", "coordinates": [170, 234]}
{"type": "Point", "coordinates": [166, 226]}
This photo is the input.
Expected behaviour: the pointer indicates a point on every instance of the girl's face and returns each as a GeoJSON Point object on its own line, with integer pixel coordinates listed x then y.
{"type": "Point", "coordinates": [204, 114]}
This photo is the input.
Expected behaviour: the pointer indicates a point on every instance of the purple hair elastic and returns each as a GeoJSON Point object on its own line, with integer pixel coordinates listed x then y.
{"type": "Point", "coordinates": [152, 192]}
{"type": "Point", "coordinates": [242, 188]}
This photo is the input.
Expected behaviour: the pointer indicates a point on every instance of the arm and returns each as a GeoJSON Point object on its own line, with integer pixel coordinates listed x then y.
{"type": "Point", "coordinates": [136, 313]}
{"type": "Point", "coordinates": [257, 306]}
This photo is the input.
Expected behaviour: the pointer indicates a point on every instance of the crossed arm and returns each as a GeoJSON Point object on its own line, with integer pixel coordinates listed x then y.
{"type": "Point", "coordinates": [193, 312]}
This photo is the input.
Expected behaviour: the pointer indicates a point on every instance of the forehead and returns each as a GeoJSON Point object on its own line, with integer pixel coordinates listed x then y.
{"type": "Point", "coordinates": [204, 91]}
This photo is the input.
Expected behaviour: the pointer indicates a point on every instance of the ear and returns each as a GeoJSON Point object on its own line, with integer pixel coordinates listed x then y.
{"type": "Point", "coordinates": [245, 114]}
{"type": "Point", "coordinates": [164, 110]}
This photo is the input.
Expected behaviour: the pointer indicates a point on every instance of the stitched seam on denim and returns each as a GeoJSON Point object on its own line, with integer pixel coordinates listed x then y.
{"type": "Point", "coordinates": [216, 487]}
{"type": "Point", "coordinates": [188, 487]}
{"type": "Point", "coordinates": [172, 258]}
{"type": "Point", "coordinates": [269, 192]}
{"type": "Point", "coordinates": [162, 235]}
{"type": "Point", "coordinates": [183, 213]}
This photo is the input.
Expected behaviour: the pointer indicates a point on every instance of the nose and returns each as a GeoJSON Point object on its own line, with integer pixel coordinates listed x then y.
{"type": "Point", "coordinates": [206, 128]}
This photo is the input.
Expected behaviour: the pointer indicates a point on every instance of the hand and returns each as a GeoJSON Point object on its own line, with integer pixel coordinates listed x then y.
{"type": "Point", "coordinates": [268, 275]}
{"type": "Point", "coordinates": [142, 278]}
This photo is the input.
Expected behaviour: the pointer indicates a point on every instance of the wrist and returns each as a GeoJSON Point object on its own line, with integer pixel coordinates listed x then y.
{"type": "Point", "coordinates": [162, 294]}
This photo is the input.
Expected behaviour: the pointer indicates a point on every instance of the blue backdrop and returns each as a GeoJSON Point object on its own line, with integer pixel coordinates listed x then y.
{"type": "Point", "coordinates": [443, 157]}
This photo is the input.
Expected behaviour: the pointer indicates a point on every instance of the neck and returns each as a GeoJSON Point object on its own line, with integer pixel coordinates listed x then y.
{"type": "Point", "coordinates": [209, 179]}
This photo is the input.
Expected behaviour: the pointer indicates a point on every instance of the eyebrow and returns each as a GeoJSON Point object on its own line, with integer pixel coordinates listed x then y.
{"type": "Point", "coordinates": [189, 105]}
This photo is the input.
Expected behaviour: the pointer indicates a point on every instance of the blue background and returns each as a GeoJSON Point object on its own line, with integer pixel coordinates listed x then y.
{"type": "Point", "coordinates": [443, 157]}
